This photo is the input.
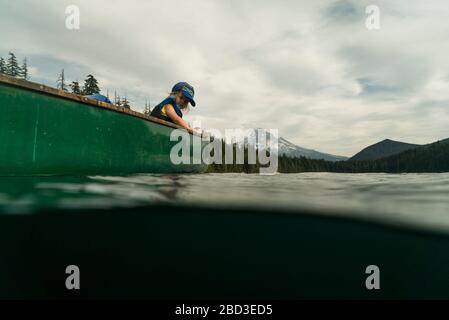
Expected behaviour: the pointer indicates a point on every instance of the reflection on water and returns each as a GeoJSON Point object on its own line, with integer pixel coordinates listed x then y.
{"type": "Point", "coordinates": [419, 199]}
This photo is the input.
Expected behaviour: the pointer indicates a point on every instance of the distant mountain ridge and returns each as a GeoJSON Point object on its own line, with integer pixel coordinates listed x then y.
{"type": "Point", "coordinates": [286, 147]}
{"type": "Point", "coordinates": [292, 150]}
{"type": "Point", "coordinates": [383, 149]}
{"type": "Point", "coordinates": [428, 158]}
{"type": "Point", "coordinates": [432, 157]}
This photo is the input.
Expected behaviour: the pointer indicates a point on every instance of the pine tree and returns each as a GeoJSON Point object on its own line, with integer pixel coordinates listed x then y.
{"type": "Point", "coordinates": [118, 101]}
{"type": "Point", "coordinates": [61, 81]}
{"type": "Point", "coordinates": [24, 69]}
{"type": "Point", "coordinates": [75, 86]}
{"type": "Point", "coordinates": [147, 109]}
{"type": "Point", "coordinates": [12, 67]}
{"type": "Point", "coordinates": [90, 85]}
{"type": "Point", "coordinates": [125, 103]}
{"type": "Point", "coordinates": [2, 66]}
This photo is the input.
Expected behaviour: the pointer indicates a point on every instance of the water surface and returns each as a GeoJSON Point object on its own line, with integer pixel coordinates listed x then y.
{"type": "Point", "coordinates": [408, 199]}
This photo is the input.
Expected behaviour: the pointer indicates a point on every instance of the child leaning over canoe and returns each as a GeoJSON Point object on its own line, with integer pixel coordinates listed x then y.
{"type": "Point", "coordinates": [170, 109]}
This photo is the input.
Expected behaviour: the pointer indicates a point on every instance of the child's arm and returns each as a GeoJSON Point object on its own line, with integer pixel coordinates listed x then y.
{"type": "Point", "coordinates": [175, 118]}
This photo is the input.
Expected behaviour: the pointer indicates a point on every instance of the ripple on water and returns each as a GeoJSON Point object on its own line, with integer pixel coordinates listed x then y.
{"type": "Point", "coordinates": [419, 199]}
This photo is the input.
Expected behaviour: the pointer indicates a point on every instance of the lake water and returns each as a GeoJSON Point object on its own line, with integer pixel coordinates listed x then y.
{"type": "Point", "coordinates": [418, 200]}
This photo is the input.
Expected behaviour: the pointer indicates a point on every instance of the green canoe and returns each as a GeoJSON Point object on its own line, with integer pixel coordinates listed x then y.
{"type": "Point", "coordinates": [45, 131]}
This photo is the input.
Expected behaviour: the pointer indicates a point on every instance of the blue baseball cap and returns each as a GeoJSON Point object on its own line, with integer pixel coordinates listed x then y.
{"type": "Point", "coordinates": [186, 90]}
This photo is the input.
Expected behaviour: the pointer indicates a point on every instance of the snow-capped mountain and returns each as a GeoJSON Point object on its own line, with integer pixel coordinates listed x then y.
{"type": "Point", "coordinates": [292, 150]}
{"type": "Point", "coordinates": [285, 147]}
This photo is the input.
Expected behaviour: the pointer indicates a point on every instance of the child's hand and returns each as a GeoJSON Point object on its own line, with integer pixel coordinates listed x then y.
{"type": "Point", "coordinates": [198, 130]}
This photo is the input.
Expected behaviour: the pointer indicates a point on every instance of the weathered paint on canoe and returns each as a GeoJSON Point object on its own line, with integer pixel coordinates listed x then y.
{"type": "Point", "coordinates": [44, 131]}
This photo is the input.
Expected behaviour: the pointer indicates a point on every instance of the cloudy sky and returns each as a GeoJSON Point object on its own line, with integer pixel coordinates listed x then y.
{"type": "Point", "coordinates": [308, 68]}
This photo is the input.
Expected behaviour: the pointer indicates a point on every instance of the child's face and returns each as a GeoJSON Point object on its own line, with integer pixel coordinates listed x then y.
{"type": "Point", "coordinates": [181, 100]}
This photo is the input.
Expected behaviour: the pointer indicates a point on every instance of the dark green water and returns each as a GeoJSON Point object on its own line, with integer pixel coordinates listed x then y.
{"type": "Point", "coordinates": [420, 200]}
{"type": "Point", "coordinates": [295, 236]}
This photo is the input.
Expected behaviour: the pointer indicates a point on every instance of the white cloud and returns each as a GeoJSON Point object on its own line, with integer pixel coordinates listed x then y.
{"type": "Point", "coordinates": [309, 68]}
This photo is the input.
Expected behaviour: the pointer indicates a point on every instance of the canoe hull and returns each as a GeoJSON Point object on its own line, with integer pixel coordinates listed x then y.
{"type": "Point", "coordinates": [46, 134]}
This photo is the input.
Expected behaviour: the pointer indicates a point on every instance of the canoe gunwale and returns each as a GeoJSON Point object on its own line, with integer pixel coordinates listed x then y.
{"type": "Point", "coordinates": [28, 85]}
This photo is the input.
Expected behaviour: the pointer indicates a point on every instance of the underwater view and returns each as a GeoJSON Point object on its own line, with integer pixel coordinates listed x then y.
{"type": "Point", "coordinates": [226, 236]}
